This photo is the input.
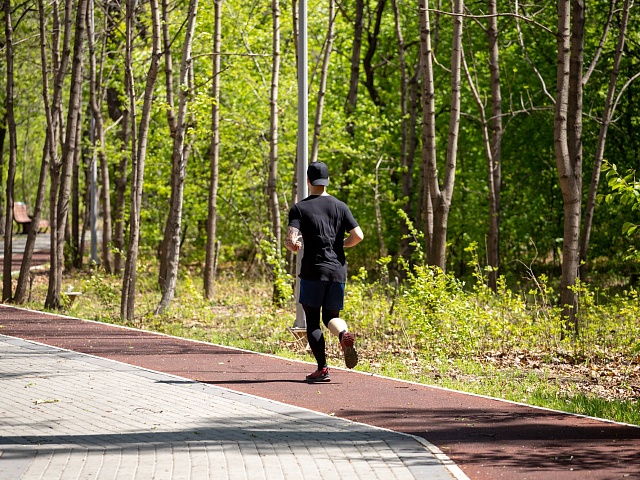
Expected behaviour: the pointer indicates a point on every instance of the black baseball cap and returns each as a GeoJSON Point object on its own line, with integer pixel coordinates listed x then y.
{"type": "Point", "coordinates": [318, 173]}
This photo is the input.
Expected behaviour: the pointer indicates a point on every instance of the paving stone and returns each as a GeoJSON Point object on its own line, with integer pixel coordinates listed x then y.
{"type": "Point", "coordinates": [66, 415]}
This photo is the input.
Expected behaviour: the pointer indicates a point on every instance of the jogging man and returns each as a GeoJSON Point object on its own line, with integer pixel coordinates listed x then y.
{"type": "Point", "coordinates": [320, 223]}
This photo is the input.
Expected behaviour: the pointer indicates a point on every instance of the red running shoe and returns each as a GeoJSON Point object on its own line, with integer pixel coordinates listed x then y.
{"type": "Point", "coordinates": [350, 354]}
{"type": "Point", "coordinates": [320, 375]}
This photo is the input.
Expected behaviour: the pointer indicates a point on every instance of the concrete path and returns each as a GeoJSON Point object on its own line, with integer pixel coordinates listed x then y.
{"type": "Point", "coordinates": [486, 438]}
{"type": "Point", "coordinates": [67, 415]}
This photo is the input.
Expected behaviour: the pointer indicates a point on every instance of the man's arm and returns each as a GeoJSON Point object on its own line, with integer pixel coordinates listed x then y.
{"type": "Point", "coordinates": [293, 240]}
{"type": "Point", "coordinates": [354, 238]}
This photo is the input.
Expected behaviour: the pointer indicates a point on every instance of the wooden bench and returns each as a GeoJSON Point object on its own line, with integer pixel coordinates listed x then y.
{"type": "Point", "coordinates": [21, 217]}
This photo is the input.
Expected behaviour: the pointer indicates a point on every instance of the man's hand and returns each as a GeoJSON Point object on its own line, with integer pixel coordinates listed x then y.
{"type": "Point", "coordinates": [293, 240]}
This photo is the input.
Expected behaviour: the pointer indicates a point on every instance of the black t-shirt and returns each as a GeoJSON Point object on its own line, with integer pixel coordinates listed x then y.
{"type": "Point", "coordinates": [323, 221]}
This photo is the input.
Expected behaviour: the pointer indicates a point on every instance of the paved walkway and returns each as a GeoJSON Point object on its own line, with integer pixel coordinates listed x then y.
{"type": "Point", "coordinates": [486, 438]}
{"type": "Point", "coordinates": [41, 251]}
{"type": "Point", "coordinates": [68, 415]}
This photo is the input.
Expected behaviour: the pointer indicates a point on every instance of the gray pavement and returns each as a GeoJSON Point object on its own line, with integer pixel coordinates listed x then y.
{"type": "Point", "coordinates": [66, 415]}
{"type": "Point", "coordinates": [18, 242]}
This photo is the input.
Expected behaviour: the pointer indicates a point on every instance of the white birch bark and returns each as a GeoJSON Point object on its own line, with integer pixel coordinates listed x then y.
{"type": "Point", "coordinates": [180, 157]}
{"type": "Point", "coordinates": [214, 158]}
{"type": "Point", "coordinates": [139, 151]}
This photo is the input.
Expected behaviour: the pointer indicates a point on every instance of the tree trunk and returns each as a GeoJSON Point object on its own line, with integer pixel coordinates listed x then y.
{"type": "Point", "coordinates": [442, 201]}
{"type": "Point", "coordinates": [3, 135]}
{"type": "Point", "coordinates": [322, 89]}
{"type": "Point", "coordinates": [407, 135]}
{"type": "Point", "coordinates": [163, 254]}
{"type": "Point", "coordinates": [127, 300]}
{"type": "Point", "coordinates": [372, 38]}
{"type": "Point", "coordinates": [139, 151]}
{"type": "Point", "coordinates": [569, 172]}
{"type": "Point", "coordinates": [71, 143]}
{"type": "Point", "coordinates": [75, 257]}
{"type": "Point", "coordinates": [413, 142]}
{"type": "Point", "coordinates": [428, 123]}
{"type": "Point", "coordinates": [180, 156]}
{"type": "Point", "coordinates": [168, 68]}
{"type": "Point", "coordinates": [607, 115]}
{"type": "Point", "coordinates": [354, 79]}
{"type": "Point", "coordinates": [118, 110]}
{"type": "Point", "coordinates": [376, 205]}
{"type": "Point", "coordinates": [121, 188]}
{"type": "Point", "coordinates": [441, 198]}
{"type": "Point", "coordinates": [494, 158]}
{"type": "Point", "coordinates": [60, 55]}
{"type": "Point", "coordinates": [272, 183]}
{"type": "Point", "coordinates": [13, 155]}
{"type": "Point", "coordinates": [214, 158]}
{"type": "Point", "coordinates": [95, 93]}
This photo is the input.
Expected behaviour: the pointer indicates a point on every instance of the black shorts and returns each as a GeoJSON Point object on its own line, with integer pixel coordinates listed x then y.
{"type": "Point", "coordinates": [320, 293]}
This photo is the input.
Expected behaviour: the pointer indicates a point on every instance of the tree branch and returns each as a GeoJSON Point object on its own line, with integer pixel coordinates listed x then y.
{"type": "Point", "coordinates": [513, 15]}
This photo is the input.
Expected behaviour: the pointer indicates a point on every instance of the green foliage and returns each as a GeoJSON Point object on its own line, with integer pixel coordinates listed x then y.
{"type": "Point", "coordinates": [106, 289]}
{"type": "Point", "coordinates": [626, 191]}
{"type": "Point", "coordinates": [438, 316]}
{"type": "Point", "coordinates": [282, 280]}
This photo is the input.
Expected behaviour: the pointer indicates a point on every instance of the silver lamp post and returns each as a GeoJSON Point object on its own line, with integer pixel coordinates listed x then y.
{"type": "Point", "coordinates": [303, 146]}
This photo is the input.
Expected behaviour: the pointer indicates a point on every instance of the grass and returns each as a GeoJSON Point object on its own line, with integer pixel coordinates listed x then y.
{"type": "Point", "coordinates": [478, 344]}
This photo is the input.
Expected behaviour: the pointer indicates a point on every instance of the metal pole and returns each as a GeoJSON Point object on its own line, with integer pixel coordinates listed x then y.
{"type": "Point", "coordinates": [303, 139]}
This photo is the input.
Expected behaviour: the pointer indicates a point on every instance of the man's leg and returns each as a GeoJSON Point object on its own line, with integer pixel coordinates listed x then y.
{"type": "Point", "coordinates": [333, 303]}
{"type": "Point", "coordinates": [315, 336]}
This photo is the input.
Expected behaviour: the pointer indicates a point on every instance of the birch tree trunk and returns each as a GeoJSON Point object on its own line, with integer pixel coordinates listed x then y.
{"type": "Point", "coordinates": [138, 150]}
{"type": "Point", "coordinates": [569, 166]}
{"type": "Point", "coordinates": [607, 115]}
{"type": "Point", "coordinates": [440, 197]}
{"type": "Point", "coordinates": [428, 122]}
{"type": "Point", "coordinates": [272, 182]}
{"type": "Point", "coordinates": [180, 156]}
{"type": "Point", "coordinates": [23, 278]}
{"type": "Point", "coordinates": [60, 55]}
{"type": "Point", "coordinates": [13, 155]}
{"type": "Point", "coordinates": [69, 147]}
{"type": "Point", "coordinates": [214, 159]}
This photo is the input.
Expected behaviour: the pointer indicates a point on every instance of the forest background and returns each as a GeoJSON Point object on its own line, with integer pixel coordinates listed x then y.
{"type": "Point", "coordinates": [468, 138]}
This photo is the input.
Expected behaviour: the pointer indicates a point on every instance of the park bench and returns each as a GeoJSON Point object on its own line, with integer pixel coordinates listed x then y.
{"type": "Point", "coordinates": [21, 217]}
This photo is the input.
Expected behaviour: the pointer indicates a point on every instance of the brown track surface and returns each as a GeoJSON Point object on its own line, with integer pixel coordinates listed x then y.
{"type": "Point", "coordinates": [37, 259]}
{"type": "Point", "coordinates": [487, 438]}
